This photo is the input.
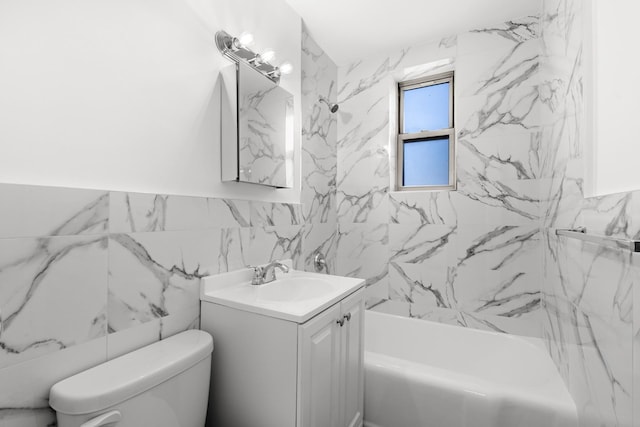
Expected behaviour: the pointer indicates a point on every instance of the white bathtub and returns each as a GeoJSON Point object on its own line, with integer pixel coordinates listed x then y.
{"type": "Point", "coordinates": [426, 374]}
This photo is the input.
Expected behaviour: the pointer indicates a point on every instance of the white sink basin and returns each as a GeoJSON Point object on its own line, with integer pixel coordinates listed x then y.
{"type": "Point", "coordinates": [296, 296]}
{"type": "Point", "coordinates": [295, 289]}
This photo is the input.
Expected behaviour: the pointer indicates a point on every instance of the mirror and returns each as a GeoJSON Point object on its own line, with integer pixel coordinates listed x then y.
{"type": "Point", "coordinates": [257, 129]}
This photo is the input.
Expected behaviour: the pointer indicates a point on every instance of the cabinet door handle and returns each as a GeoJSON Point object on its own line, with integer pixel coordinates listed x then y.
{"type": "Point", "coordinates": [340, 322]}
{"type": "Point", "coordinates": [347, 316]}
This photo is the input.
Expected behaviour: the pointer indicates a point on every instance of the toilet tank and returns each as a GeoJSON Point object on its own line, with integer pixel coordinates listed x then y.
{"type": "Point", "coordinates": [165, 384]}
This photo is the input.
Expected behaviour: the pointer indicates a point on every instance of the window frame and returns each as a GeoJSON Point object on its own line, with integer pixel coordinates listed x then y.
{"type": "Point", "coordinates": [449, 132]}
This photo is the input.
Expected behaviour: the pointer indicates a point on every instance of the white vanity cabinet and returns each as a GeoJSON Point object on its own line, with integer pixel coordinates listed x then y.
{"type": "Point", "coordinates": [271, 372]}
{"type": "Point", "coordinates": [330, 367]}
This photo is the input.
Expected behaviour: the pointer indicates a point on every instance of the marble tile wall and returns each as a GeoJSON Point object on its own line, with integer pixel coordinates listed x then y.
{"type": "Point", "coordinates": [86, 276]}
{"type": "Point", "coordinates": [319, 154]}
{"type": "Point", "coordinates": [469, 257]}
{"type": "Point", "coordinates": [53, 293]}
{"type": "Point", "coordinates": [590, 319]}
{"type": "Point", "coordinates": [589, 305]}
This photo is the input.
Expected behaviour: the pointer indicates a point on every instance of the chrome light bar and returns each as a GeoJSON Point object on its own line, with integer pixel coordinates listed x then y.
{"type": "Point", "coordinates": [232, 48]}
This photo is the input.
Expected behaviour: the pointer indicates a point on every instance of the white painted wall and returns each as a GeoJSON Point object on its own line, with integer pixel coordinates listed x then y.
{"type": "Point", "coordinates": [122, 94]}
{"type": "Point", "coordinates": [612, 90]}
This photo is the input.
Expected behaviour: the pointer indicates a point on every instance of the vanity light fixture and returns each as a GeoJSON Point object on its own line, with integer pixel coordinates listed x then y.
{"type": "Point", "coordinates": [236, 49]}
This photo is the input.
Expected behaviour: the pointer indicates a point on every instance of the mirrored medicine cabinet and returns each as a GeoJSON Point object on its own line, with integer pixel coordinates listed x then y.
{"type": "Point", "coordinates": [257, 128]}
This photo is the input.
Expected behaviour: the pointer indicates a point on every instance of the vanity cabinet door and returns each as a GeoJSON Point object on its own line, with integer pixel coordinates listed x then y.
{"type": "Point", "coordinates": [319, 370]}
{"type": "Point", "coordinates": [352, 369]}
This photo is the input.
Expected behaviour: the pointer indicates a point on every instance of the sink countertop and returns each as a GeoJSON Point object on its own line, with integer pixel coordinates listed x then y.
{"type": "Point", "coordinates": [296, 296]}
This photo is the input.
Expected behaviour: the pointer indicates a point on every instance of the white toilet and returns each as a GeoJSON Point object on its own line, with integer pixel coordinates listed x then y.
{"type": "Point", "coordinates": [165, 384]}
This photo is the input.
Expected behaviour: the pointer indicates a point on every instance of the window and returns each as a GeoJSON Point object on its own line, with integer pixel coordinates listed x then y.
{"type": "Point", "coordinates": [426, 135]}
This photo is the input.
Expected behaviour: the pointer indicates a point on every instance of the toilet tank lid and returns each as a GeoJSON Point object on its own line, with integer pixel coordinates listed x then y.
{"type": "Point", "coordinates": [131, 374]}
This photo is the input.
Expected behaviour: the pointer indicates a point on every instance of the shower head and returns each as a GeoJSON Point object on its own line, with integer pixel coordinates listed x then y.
{"type": "Point", "coordinates": [332, 107]}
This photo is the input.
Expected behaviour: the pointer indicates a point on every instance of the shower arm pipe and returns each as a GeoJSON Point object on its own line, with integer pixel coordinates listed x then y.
{"type": "Point", "coordinates": [333, 107]}
{"type": "Point", "coordinates": [580, 233]}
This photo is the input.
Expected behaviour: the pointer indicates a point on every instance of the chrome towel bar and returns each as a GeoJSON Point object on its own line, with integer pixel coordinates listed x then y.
{"type": "Point", "coordinates": [611, 242]}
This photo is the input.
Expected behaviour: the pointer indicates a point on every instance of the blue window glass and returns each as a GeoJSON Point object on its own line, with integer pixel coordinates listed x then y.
{"type": "Point", "coordinates": [426, 162]}
{"type": "Point", "coordinates": [426, 108]}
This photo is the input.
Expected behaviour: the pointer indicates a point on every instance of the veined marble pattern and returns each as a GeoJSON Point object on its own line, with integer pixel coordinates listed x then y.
{"type": "Point", "coordinates": [437, 207]}
{"type": "Point", "coordinates": [469, 257]}
{"type": "Point", "coordinates": [561, 77]}
{"type": "Point", "coordinates": [319, 157]}
{"type": "Point", "coordinates": [269, 243]}
{"type": "Point", "coordinates": [265, 214]}
{"type": "Point", "coordinates": [230, 213]}
{"type": "Point", "coordinates": [153, 274]}
{"type": "Point", "coordinates": [362, 251]}
{"type": "Point", "coordinates": [588, 290]}
{"type": "Point", "coordinates": [29, 211]}
{"type": "Point", "coordinates": [130, 339]}
{"type": "Point", "coordinates": [363, 173]}
{"type": "Point", "coordinates": [233, 249]}
{"type": "Point", "coordinates": [37, 275]}
{"type": "Point", "coordinates": [319, 133]}
{"type": "Point", "coordinates": [590, 328]}
{"type": "Point", "coordinates": [53, 244]}
{"type": "Point", "coordinates": [613, 215]}
{"type": "Point", "coordinates": [136, 212]}
{"type": "Point", "coordinates": [264, 112]}
{"type": "Point", "coordinates": [589, 310]}
{"type": "Point", "coordinates": [487, 274]}
{"type": "Point", "coordinates": [498, 119]}
{"type": "Point", "coordinates": [508, 96]}
{"type": "Point", "coordinates": [319, 238]}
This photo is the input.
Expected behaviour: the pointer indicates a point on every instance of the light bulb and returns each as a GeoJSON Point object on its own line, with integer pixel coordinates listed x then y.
{"type": "Point", "coordinates": [268, 55]}
{"type": "Point", "coordinates": [286, 68]}
{"type": "Point", "coordinates": [245, 39]}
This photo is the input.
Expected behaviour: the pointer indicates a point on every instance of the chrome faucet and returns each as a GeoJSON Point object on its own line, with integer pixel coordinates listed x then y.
{"type": "Point", "coordinates": [266, 274]}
